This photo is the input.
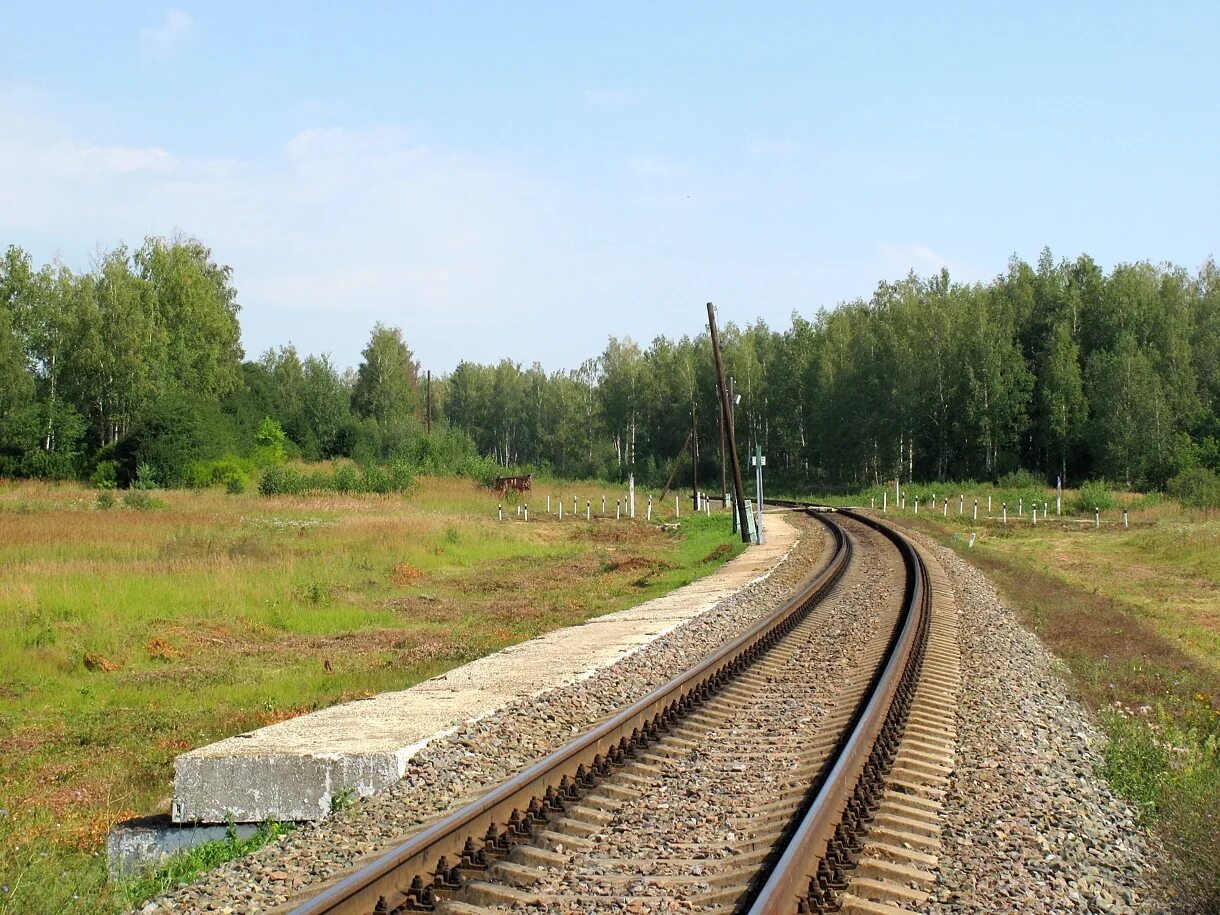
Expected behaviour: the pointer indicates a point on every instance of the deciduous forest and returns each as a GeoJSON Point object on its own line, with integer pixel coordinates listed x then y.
{"type": "Point", "coordinates": [135, 368]}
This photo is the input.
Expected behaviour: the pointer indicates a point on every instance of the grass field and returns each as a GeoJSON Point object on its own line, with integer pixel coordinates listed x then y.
{"type": "Point", "coordinates": [129, 635]}
{"type": "Point", "coordinates": [1134, 613]}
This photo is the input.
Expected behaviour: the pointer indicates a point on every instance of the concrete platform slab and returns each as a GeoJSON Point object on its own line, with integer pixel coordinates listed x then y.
{"type": "Point", "coordinates": [293, 769]}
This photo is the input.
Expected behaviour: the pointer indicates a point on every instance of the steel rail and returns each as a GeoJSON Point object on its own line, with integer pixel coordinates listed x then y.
{"type": "Point", "coordinates": [415, 874]}
{"type": "Point", "coordinates": [826, 843]}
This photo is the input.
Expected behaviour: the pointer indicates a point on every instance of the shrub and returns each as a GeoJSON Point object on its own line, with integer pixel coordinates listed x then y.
{"type": "Point", "coordinates": [270, 444]}
{"type": "Point", "coordinates": [146, 477]}
{"type": "Point", "coordinates": [1020, 479]}
{"type": "Point", "coordinates": [1198, 487]}
{"type": "Point", "coordinates": [345, 478]}
{"type": "Point", "coordinates": [105, 499]}
{"type": "Point", "coordinates": [140, 500]}
{"type": "Point", "coordinates": [228, 471]}
{"type": "Point", "coordinates": [105, 475]}
{"type": "Point", "coordinates": [1093, 494]}
{"type": "Point", "coordinates": [281, 481]}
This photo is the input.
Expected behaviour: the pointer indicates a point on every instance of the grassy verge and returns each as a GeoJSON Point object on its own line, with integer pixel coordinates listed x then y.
{"type": "Point", "coordinates": [1134, 612]}
{"type": "Point", "coordinates": [131, 633]}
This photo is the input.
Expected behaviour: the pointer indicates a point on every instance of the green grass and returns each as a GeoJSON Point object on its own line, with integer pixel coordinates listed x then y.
{"type": "Point", "coordinates": [128, 636]}
{"type": "Point", "coordinates": [1135, 615]}
{"type": "Point", "coordinates": [188, 865]}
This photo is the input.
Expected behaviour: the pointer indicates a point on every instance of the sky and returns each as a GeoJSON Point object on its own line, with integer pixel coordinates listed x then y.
{"type": "Point", "coordinates": [525, 180]}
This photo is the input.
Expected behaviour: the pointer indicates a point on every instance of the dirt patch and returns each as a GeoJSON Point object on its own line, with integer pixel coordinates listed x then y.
{"type": "Point", "coordinates": [425, 607]}
{"type": "Point", "coordinates": [720, 552]}
{"type": "Point", "coordinates": [160, 650]}
{"type": "Point", "coordinates": [99, 662]}
{"type": "Point", "coordinates": [432, 650]}
{"type": "Point", "coordinates": [637, 564]}
{"type": "Point", "coordinates": [405, 575]}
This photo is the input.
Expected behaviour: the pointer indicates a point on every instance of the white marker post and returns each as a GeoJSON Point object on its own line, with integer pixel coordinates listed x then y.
{"type": "Point", "coordinates": [989, 506]}
{"type": "Point", "coordinates": [548, 503]}
{"type": "Point", "coordinates": [588, 510]}
{"type": "Point", "coordinates": [1004, 508]}
{"type": "Point", "coordinates": [561, 509]}
{"type": "Point", "coordinates": [648, 515]}
{"type": "Point", "coordinates": [884, 493]}
{"type": "Point", "coordinates": [976, 509]}
{"type": "Point", "coordinates": [618, 507]}
{"type": "Point", "coordinates": [603, 504]}
{"type": "Point", "coordinates": [631, 496]}
{"type": "Point", "coordinates": [917, 505]}
{"type": "Point", "coordinates": [961, 503]}
{"type": "Point", "coordinates": [500, 512]}
{"type": "Point", "coordinates": [527, 513]}
{"type": "Point", "coordinates": [677, 507]}
{"type": "Point", "coordinates": [1096, 517]}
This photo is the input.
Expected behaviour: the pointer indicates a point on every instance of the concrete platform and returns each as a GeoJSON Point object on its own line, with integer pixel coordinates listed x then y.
{"type": "Point", "coordinates": [291, 770]}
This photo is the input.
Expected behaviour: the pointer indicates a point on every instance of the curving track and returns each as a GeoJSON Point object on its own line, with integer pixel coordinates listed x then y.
{"type": "Point", "coordinates": [798, 768]}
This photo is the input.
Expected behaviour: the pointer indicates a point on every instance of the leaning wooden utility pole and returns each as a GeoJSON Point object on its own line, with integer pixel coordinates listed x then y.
{"type": "Point", "coordinates": [739, 488]}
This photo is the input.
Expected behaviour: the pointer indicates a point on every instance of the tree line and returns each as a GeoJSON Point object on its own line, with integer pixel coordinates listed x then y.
{"type": "Point", "coordinates": [1058, 368]}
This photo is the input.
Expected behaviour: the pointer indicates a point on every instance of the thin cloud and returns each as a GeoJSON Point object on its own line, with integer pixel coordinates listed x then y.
{"type": "Point", "coordinates": [165, 40]}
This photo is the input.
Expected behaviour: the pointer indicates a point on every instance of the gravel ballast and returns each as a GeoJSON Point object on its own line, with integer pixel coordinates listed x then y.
{"type": "Point", "coordinates": [484, 752]}
{"type": "Point", "coordinates": [1030, 825]}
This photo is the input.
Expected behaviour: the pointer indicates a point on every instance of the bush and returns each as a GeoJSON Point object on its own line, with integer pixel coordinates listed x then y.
{"type": "Point", "coordinates": [270, 444]}
{"type": "Point", "coordinates": [1020, 479]}
{"type": "Point", "coordinates": [105, 475]}
{"type": "Point", "coordinates": [344, 478]}
{"type": "Point", "coordinates": [105, 499]}
{"type": "Point", "coordinates": [1198, 487]}
{"type": "Point", "coordinates": [230, 472]}
{"type": "Point", "coordinates": [1093, 494]}
{"type": "Point", "coordinates": [281, 481]}
{"type": "Point", "coordinates": [140, 500]}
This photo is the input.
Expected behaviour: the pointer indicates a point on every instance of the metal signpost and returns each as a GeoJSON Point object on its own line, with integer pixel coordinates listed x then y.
{"type": "Point", "coordinates": [758, 462]}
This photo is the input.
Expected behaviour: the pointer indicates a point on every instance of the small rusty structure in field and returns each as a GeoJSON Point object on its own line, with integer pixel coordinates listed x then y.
{"type": "Point", "coordinates": [524, 484]}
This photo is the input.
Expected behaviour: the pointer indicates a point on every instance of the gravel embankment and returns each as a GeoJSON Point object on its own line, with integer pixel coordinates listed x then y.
{"type": "Point", "coordinates": [1029, 824]}
{"type": "Point", "coordinates": [483, 753]}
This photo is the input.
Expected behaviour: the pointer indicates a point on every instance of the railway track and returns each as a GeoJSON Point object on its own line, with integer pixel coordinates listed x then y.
{"type": "Point", "coordinates": [798, 768]}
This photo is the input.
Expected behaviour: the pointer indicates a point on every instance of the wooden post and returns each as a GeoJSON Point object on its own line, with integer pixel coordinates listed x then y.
{"type": "Point", "coordinates": [739, 488]}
